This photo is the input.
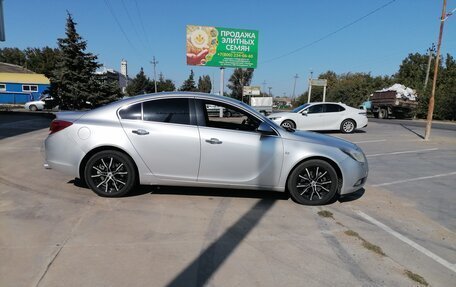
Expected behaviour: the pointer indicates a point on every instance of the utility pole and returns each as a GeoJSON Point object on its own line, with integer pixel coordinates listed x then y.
{"type": "Point", "coordinates": [269, 88]}
{"type": "Point", "coordinates": [2, 23]}
{"type": "Point", "coordinates": [427, 133]}
{"type": "Point", "coordinates": [294, 85]}
{"type": "Point", "coordinates": [154, 63]}
{"type": "Point", "coordinates": [431, 53]}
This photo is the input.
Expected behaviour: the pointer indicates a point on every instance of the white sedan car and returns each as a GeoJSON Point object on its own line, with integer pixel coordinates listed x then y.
{"type": "Point", "coordinates": [322, 116]}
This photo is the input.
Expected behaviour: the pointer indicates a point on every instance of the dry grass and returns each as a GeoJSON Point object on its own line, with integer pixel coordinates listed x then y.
{"type": "Point", "coordinates": [325, 213]}
{"type": "Point", "coordinates": [366, 244]}
{"type": "Point", "coordinates": [415, 277]}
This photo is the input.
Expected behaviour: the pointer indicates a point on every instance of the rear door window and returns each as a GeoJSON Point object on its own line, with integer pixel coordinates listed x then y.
{"type": "Point", "coordinates": [176, 111]}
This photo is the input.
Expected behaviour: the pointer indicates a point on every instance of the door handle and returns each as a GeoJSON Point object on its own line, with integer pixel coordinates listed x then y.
{"type": "Point", "coordinates": [140, 132]}
{"type": "Point", "coordinates": [213, 141]}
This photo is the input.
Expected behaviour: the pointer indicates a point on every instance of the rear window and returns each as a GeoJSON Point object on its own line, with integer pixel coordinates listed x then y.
{"type": "Point", "coordinates": [132, 112]}
{"type": "Point", "coordinates": [333, 108]}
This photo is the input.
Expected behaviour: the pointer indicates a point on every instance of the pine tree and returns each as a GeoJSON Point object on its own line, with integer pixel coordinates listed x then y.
{"type": "Point", "coordinates": [74, 83]}
{"type": "Point", "coordinates": [189, 84]}
{"type": "Point", "coordinates": [165, 85]}
{"type": "Point", "coordinates": [140, 85]}
{"type": "Point", "coordinates": [204, 84]}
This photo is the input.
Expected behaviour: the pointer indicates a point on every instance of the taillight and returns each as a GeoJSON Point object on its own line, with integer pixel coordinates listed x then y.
{"type": "Point", "coordinates": [58, 125]}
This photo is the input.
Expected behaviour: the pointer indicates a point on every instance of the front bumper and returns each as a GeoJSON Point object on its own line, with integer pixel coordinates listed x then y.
{"type": "Point", "coordinates": [354, 175]}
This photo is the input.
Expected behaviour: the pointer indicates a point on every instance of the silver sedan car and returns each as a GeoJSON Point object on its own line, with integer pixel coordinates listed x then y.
{"type": "Point", "coordinates": [172, 139]}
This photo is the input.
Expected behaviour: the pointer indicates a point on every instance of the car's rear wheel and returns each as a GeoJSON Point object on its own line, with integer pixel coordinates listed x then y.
{"type": "Point", "coordinates": [288, 124]}
{"type": "Point", "coordinates": [33, 108]}
{"type": "Point", "coordinates": [313, 182]}
{"type": "Point", "coordinates": [110, 173]}
{"type": "Point", "coordinates": [347, 126]}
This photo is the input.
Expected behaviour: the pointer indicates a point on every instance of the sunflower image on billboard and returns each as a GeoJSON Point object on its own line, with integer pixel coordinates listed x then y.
{"type": "Point", "coordinates": [221, 47]}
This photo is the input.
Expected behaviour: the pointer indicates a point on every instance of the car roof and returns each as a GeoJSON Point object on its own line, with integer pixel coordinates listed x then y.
{"type": "Point", "coordinates": [140, 98]}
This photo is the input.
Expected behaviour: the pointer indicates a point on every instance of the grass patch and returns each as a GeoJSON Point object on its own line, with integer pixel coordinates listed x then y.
{"type": "Point", "coordinates": [415, 277]}
{"type": "Point", "coordinates": [325, 213]}
{"type": "Point", "coordinates": [366, 244]}
{"type": "Point", "coordinates": [352, 233]}
{"type": "Point", "coordinates": [373, 248]}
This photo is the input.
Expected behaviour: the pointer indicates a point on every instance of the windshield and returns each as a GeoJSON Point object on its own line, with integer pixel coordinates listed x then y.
{"type": "Point", "coordinates": [296, 110]}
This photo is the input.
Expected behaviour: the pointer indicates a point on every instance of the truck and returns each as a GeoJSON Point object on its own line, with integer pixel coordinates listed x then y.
{"type": "Point", "coordinates": [396, 102]}
{"type": "Point", "coordinates": [262, 104]}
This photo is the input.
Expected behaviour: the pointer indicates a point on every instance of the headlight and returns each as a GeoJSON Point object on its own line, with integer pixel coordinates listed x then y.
{"type": "Point", "coordinates": [274, 118]}
{"type": "Point", "coordinates": [355, 154]}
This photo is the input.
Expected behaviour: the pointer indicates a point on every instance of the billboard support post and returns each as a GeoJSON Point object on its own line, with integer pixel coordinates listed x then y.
{"type": "Point", "coordinates": [222, 80]}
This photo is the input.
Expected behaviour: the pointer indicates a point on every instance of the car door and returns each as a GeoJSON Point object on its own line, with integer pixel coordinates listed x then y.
{"type": "Point", "coordinates": [165, 135]}
{"type": "Point", "coordinates": [332, 116]}
{"type": "Point", "coordinates": [311, 118]}
{"type": "Point", "coordinates": [233, 152]}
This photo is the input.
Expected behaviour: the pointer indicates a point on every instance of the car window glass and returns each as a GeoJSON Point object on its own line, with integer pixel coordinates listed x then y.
{"type": "Point", "coordinates": [225, 116]}
{"type": "Point", "coordinates": [167, 111]}
{"type": "Point", "coordinates": [132, 112]}
{"type": "Point", "coordinates": [332, 108]}
{"type": "Point", "coordinates": [315, 109]}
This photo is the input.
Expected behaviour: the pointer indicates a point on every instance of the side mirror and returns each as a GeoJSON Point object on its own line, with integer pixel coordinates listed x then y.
{"type": "Point", "coordinates": [304, 113]}
{"type": "Point", "coordinates": [266, 129]}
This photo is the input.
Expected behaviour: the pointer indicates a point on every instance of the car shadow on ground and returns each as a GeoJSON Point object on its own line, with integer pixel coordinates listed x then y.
{"type": "Point", "coordinates": [339, 132]}
{"type": "Point", "coordinates": [220, 192]}
{"type": "Point", "coordinates": [351, 196]}
{"type": "Point", "coordinates": [17, 123]}
{"type": "Point", "coordinates": [197, 191]}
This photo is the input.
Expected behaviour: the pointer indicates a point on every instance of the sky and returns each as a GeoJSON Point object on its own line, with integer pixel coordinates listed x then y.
{"type": "Point", "coordinates": [138, 30]}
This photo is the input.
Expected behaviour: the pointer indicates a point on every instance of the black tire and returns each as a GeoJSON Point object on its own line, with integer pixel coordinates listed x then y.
{"type": "Point", "coordinates": [115, 169]}
{"type": "Point", "coordinates": [382, 114]}
{"type": "Point", "coordinates": [313, 182]}
{"type": "Point", "coordinates": [347, 126]}
{"type": "Point", "coordinates": [33, 108]}
{"type": "Point", "coordinates": [288, 124]}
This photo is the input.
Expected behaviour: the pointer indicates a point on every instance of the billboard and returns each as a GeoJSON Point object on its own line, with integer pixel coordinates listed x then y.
{"type": "Point", "coordinates": [221, 47]}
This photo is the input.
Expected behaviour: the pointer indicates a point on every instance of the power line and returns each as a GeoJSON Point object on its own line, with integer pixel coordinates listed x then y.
{"type": "Point", "coordinates": [330, 34]}
{"type": "Point", "coordinates": [133, 24]}
{"type": "Point", "coordinates": [119, 25]}
{"type": "Point", "coordinates": [141, 22]}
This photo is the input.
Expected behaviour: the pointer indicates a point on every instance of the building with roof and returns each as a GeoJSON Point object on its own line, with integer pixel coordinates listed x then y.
{"type": "Point", "coordinates": [112, 76]}
{"type": "Point", "coordinates": [19, 85]}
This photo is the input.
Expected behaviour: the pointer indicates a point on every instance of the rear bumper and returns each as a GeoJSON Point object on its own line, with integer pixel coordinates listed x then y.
{"type": "Point", "coordinates": [62, 154]}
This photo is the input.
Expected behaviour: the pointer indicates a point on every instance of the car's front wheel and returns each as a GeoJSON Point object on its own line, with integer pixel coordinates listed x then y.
{"type": "Point", "coordinates": [313, 182]}
{"type": "Point", "coordinates": [110, 173]}
{"type": "Point", "coordinates": [33, 108]}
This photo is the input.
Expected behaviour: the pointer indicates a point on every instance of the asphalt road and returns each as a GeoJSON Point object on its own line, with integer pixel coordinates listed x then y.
{"type": "Point", "coordinates": [56, 231]}
{"type": "Point", "coordinates": [417, 123]}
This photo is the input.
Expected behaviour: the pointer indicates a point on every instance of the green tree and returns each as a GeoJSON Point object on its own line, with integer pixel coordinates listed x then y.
{"type": "Point", "coordinates": [204, 84]}
{"type": "Point", "coordinates": [74, 82]}
{"type": "Point", "coordinates": [13, 56]}
{"type": "Point", "coordinates": [39, 60]}
{"type": "Point", "coordinates": [239, 79]}
{"type": "Point", "coordinates": [42, 61]}
{"type": "Point", "coordinates": [189, 84]}
{"type": "Point", "coordinates": [140, 85]}
{"type": "Point", "coordinates": [165, 85]}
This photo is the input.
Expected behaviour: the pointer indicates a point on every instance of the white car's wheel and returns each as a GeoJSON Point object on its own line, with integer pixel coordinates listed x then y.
{"type": "Point", "coordinates": [33, 108]}
{"type": "Point", "coordinates": [288, 124]}
{"type": "Point", "coordinates": [347, 126]}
